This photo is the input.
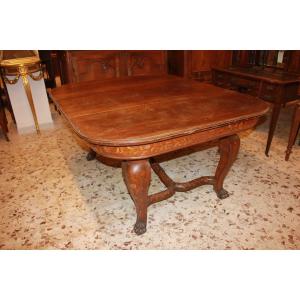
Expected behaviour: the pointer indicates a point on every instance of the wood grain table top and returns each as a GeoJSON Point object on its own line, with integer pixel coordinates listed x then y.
{"type": "Point", "coordinates": [272, 76]}
{"type": "Point", "coordinates": [141, 110]}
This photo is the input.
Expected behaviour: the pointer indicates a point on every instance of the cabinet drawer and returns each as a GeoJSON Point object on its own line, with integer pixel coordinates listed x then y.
{"type": "Point", "coordinates": [268, 91]}
{"type": "Point", "coordinates": [247, 85]}
{"type": "Point", "coordinates": [221, 79]}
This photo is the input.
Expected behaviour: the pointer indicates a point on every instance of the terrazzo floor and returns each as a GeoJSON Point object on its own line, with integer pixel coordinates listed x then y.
{"type": "Point", "coordinates": [51, 197]}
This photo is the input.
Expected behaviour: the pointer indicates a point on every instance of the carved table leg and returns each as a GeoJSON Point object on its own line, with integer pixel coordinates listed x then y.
{"type": "Point", "coordinates": [229, 148]}
{"type": "Point", "coordinates": [137, 176]}
{"type": "Point", "coordinates": [91, 155]}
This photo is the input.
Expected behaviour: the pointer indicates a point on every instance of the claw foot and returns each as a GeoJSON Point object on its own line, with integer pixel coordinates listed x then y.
{"type": "Point", "coordinates": [222, 194]}
{"type": "Point", "coordinates": [91, 155]}
{"type": "Point", "coordinates": [139, 228]}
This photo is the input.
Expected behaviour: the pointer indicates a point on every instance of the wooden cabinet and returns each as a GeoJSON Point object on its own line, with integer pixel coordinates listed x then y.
{"type": "Point", "coordinates": [197, 63]}
{"type": "Point", "coordinates": [277, 59]}
{"type": "Point", "coordinates": [77, 66]}
{"type": "Point", "coordinates": [177, 60]}
{"type": "Point", "coordinates": [294, 61]}
{"type": "Point", "coordinates": [275, 86]}
{"type": "Point", "coordinates": [204, 60]}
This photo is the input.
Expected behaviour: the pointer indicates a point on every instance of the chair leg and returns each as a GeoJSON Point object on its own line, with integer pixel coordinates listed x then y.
{"type": "Point", "coordinates": [5, 135]}
{"type": "Point", "coordinates": [3, 123]}
{"type": "Point", "coordinates": [8, 105]}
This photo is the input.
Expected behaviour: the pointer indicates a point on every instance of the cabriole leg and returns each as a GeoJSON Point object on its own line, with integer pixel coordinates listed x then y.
{"type": "Point", "coordinates": [228, 148]}
{"type": "Point", "coordinates": [137, 176]}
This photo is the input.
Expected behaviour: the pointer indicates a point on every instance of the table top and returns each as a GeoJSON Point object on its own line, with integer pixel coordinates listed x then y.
{"type": "Point", "coordinates": [266, 74]}
{"type": "Point", "coordinates": [147, 109]}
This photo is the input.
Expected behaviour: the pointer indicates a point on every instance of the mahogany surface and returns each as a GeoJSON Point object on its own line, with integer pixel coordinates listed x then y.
{"type": "Point", "coordinates": [135, 119]}
{"type": "Point", "coordinates": [142, 110]}
{"type": "Point", "coordinates": [271, 85]}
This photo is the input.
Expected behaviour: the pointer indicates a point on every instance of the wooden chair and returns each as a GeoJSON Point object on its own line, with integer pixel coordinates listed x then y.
{"type": "Point", "coordinates": [3, 120]}
{"type": "Point", "coordinates": [294, 130]}
{"type": "Point", "coordinates": [5, 99]}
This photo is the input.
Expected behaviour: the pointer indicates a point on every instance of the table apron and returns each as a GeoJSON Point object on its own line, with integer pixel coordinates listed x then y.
{"type": "Point", "coordinates": [170, 145]}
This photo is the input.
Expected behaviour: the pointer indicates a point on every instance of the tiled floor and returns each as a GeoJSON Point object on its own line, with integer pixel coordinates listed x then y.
{"type": "Point", "coordinates": [52, 198]}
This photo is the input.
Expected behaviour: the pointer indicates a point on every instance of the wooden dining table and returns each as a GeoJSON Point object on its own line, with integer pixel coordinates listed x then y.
{"type": "Point", "coordinates": [136, 119]}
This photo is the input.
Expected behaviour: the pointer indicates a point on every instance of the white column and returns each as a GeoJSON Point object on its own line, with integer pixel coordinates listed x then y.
{"type": "Point", "coordinates": [21, 107]}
